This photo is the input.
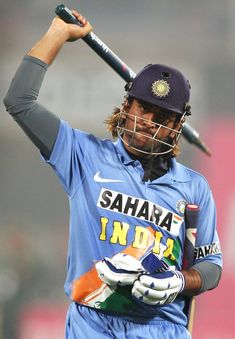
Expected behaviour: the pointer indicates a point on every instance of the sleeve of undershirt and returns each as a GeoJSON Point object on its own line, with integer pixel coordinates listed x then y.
{"type": "Point", "coordinates": [39, 124]}
{"type": "Point", "coordinates": [210, 274]}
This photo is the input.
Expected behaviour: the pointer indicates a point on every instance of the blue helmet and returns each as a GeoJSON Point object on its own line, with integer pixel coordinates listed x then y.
{"type": "Point", "coordinates": [162, 86]}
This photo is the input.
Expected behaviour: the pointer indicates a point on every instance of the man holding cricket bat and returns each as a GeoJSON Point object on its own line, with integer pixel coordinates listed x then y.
{"type": "Point", "coordinates": [125, 274]}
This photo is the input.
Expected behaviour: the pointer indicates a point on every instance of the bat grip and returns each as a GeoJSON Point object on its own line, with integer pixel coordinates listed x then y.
{"type": "Point", "coordinates": [191, 216]}
{"type": "Point", "coordinates": [66, 15]}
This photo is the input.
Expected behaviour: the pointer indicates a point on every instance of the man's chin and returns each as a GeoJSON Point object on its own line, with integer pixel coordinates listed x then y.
{"type": "Point", "coordinates": [146, 145]}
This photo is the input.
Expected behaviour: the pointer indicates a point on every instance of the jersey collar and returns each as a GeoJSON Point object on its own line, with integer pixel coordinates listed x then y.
{"type": "Point", "coordinates": [123, 156]}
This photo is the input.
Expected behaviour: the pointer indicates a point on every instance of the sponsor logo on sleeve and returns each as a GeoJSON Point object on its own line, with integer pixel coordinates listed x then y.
{"type": "Point", "coordinates": [204, 251]}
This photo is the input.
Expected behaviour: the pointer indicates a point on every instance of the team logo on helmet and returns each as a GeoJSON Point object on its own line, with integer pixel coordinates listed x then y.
{"type": "Point", "coordinates": [160, 88]}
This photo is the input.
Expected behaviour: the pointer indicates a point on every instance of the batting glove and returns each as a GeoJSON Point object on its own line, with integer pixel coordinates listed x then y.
{"type": "Point", "coordinates": [158, 289]}
{"type": "Point", "coordinates": [121, 270]}
{"type": "Point", "coordinates": [153, 264]}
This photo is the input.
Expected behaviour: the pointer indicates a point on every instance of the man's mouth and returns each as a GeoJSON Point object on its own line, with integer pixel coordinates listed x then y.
{"type": "Point", "coordinates": [146, 132]}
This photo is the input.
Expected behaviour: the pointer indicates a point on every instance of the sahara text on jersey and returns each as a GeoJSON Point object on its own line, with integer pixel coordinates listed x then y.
{"type": "Point", "coordinates": [141, 209]}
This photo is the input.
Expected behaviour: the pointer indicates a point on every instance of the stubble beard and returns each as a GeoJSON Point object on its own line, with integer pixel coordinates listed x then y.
{"type": "Point", "coordinates": [146, 144]}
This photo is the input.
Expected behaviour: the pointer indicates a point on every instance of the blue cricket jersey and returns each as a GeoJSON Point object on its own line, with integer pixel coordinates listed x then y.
{"type": "Point", "coordinates": [113, 210]}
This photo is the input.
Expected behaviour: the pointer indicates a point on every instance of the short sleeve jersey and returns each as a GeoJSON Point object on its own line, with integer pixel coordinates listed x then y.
{"type": "Point", "coordinates": [112, 210]}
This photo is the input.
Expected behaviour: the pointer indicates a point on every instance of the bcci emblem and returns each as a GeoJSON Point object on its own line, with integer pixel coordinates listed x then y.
{"type": "Point", "coordinates": [160, 88]}
{"type": "Point", "coordinates": [180, 206]}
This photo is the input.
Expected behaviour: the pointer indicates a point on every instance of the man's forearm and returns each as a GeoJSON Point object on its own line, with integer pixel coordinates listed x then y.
{"type": "Point", "coordinates": [201, 277]}
{"type": "Point", "coordinates": [48, 47]}
{"type": "Point", "coordinates": [38, 123]}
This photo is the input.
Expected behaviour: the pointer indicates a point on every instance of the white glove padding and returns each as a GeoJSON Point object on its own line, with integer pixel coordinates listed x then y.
{"type": "Point", "coordinates": [122, 269]}
{"type": "Point", "coordinates": [159, 288]}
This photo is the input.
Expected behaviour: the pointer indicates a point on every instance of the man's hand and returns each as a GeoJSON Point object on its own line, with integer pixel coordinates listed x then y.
{"type": "Point", "coordinates": [120, 270]}
{"type": "Point", "coordinates": [70, 32]}
{"type": "Point", "coordinates": [58, 33]}
{"type": "Point", "coordinates": [154, 283]}
{"type": "Point", "coordinates": [158, 288]}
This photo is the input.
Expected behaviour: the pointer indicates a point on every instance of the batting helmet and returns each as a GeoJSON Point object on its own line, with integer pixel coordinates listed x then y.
{"type": "Point", "coordinates": [162, 86]}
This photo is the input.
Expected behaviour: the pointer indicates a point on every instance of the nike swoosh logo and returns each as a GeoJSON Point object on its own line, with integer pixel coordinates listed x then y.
{"type": "Point", "coordinates": [98, 178]}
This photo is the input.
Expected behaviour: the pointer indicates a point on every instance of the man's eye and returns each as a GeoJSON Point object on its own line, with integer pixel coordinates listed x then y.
{"type": "Point", "coordinates": [141, 108]}
{"type": "Point", "coordinates": [144, 109]}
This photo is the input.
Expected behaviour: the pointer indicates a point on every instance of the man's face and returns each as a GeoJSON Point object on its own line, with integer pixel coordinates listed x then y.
{"type": "Point", "coordinates": [147, 128]}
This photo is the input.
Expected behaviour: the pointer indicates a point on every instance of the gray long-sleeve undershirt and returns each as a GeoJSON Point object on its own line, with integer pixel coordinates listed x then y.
{"type": "Point", "coordinates": [42, 127]}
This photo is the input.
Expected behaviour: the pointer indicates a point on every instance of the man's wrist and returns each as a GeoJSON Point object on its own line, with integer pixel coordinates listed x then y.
{"type": "Point", "coordinates": [58, 34]}
{"type": "Point", "coordinates": [193, 282]}
{"type": "Point", "coordinates": [48, 47]}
